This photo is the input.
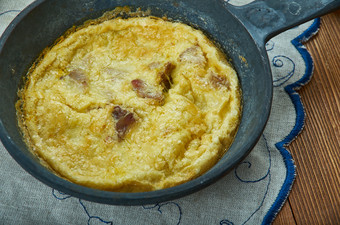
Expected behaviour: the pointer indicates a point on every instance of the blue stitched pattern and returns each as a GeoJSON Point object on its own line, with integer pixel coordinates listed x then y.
{"type": "Point", "coordinates": [267, 175]}
{"type": "Point", "coordinates": [258, 180]}
{"type": "Point", "coordinates": [91, 218]}
{"type": "Point", "coordinates": [278, 61]}
{"type": "Point", "coordinates": [9, 11]}
{"type": "Point", "coordinates": [226, 222]}
{"type": "Point", "coordinates": [270, 45]}
{"type": "Point", "coordinates": [160, 205]}
{"type": "Point", "coordinates": [62, 196]}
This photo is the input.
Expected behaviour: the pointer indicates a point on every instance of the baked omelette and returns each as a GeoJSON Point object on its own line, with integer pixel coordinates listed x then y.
{"type": "Point", "coordinates": [131, 105]}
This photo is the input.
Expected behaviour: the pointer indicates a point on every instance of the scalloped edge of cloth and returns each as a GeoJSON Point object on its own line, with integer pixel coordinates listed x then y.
{"type": "Point", "coordinates": [299, 123]}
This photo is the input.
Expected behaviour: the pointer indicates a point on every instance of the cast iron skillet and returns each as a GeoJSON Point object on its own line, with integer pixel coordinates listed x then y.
{"type": "Point", "coordinates": [240, 31]}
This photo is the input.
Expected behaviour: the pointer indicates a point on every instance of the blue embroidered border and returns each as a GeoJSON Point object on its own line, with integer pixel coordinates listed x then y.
{"type": "Point", "coordinates": [300, 117]}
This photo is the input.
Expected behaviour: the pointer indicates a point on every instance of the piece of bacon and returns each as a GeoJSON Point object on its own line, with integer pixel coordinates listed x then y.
{"type": "Point", "coordinates": [78, 76]}
{"type": "Point", "coordinates": [154, 65]}
{"type": "Point", "coordinates": [118, 112]}
{"type": "Point", "coordinates": [218, 80]}
{"type": "Point", "coordinates": [125, 120]}
{"type": "Point", "coordinates": [164, 77]}
{"type": "Point", "coordinates": [193, 55]}
{"type": "Point", "coordinates": [145, 91]}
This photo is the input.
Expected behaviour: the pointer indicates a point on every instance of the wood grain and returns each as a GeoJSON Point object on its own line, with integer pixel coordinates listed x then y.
{"type": "Point", "coordinates": [285, 216]}
{"type": "Point", "coordinates": [315, 197]}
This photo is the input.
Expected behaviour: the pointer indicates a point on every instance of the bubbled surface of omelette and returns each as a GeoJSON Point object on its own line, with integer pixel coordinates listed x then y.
{"type": "Point", "coordinates": [179, 128]}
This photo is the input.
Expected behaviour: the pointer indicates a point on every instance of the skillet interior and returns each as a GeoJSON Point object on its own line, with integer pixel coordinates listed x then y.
{"type": "Point", "coordinates": [44, 21]}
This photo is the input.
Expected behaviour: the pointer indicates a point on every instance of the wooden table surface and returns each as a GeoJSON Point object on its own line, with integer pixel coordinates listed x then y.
{"type": "Point", "coordinates": [315, 196]}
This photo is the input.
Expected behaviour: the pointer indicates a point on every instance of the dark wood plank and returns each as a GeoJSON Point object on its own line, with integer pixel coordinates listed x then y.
{"type": "Point", "coordinates": [285, 216]}
{"type": "Point", "coordinates": [315, 197]}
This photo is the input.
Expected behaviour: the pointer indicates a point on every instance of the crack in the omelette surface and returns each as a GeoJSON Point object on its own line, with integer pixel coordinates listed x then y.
{"type": "Point", "coordinates": [85, 110]}
{"type": "Point", "coordinates": [164, 77]}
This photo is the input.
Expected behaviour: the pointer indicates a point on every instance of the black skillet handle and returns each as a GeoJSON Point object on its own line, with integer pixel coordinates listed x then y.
{"type": "Point", "coordinates": [265, 19]}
